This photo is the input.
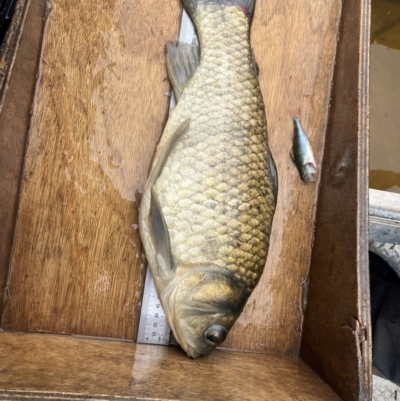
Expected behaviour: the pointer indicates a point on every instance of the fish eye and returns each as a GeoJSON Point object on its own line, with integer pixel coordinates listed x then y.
{"type": "Point", "coordinates": [215, 335]}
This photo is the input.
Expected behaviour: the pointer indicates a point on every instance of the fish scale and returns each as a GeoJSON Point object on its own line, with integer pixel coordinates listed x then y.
{"type": "Point", "coordinates": [215, 189]}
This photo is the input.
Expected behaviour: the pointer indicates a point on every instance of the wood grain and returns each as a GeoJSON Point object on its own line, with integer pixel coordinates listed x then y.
{"type": "Point", "coordinates": [14, 122]}
{"type": "Point", "coordinates": [337, 333]}
{"type": "Point", "coordinates": [74, 367]}
{"type": "Point", "coordinates": [295, 46]}
{"type": "Point", "coordinates": [77, 264]}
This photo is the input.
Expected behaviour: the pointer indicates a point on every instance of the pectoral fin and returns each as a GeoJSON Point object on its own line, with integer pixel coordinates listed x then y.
{"type": "Point", "coordinates": [152, 225]}
{"type": "Point", "coordinates": [159, 234]}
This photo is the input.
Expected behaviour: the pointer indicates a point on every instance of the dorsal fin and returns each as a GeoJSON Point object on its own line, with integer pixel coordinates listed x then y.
{"type": "Point", "coordinates": [182, 62]}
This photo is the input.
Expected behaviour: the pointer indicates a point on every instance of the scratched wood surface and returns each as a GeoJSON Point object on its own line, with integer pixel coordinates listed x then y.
{"type": "Point", "coordinates": [77, 264]}
{"type": "Point", "coordinates": [14, 122]}
{"type": "Point", "coordinates": [99, 110]}
{"type": "Point", "coordinates": [337, 333]}
{"type": "Point", "coordinates": [50, 366]}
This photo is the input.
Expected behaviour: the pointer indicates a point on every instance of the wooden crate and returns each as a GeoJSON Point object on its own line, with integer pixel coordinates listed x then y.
{"type": "Point", "coordinates": [76, 266]}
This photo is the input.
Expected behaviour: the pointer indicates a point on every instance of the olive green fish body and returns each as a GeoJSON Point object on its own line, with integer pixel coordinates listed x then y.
{"type": "Point", "coordinates": [215, 189]}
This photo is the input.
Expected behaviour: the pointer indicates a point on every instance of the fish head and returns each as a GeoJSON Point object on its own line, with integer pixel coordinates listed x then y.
{"type": "Point", "coordinates": [203, 306]}
{"type": "Point", "coordinates": [308, 171]}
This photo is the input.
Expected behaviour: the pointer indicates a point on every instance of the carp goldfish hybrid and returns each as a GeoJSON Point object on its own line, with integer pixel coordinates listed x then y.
{"type": "Point", "coordinates": [207, 208]}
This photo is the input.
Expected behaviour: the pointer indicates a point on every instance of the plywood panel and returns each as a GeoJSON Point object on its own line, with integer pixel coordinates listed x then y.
{"type": "Point", "coordinates": [295, 46]}
{"type": "Point", "coordinates": [14, 122]}
{"type": "Point", "coordinates": [337, 334]}
{"type": "Point", "coordinates": [48, 366]}
{"type": "Point", "coordinates": [77, 264]}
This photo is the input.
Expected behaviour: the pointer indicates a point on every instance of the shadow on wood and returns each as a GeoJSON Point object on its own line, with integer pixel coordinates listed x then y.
{"type": "Point", "coordinates": [337, 334]}
{"type": "Point", "coordinates": [14, 122]}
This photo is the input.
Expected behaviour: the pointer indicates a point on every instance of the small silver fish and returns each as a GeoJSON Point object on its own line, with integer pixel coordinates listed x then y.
{"type": "Point", "coordinates": [303, 155]}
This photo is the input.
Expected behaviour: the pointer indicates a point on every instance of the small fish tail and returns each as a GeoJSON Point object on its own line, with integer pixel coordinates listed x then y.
{"type": "Point", "coordinates": [246, 5]}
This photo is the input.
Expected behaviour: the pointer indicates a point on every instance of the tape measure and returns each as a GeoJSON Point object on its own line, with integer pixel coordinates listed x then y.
{"type": "Point", "coordinates": [153, 325]}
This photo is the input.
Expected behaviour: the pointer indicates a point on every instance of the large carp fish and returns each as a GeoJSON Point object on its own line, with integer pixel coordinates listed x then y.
{"type": "Point", "coordinates": [207, 208]}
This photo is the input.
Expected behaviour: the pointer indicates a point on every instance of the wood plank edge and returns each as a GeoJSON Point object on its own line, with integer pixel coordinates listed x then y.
{"type": "Point", "coordinates": [22, 61]}
{"type": "Point", "coordinates": [16, 395]}
{"type": "Point", "coordinates": [364, 310]}
{"type": "Point", "coordinates": [11, 48]}
{"type": "Point", "coordinates": [54, 367]}
{"type": "Point", "coordinates": [340, 378]}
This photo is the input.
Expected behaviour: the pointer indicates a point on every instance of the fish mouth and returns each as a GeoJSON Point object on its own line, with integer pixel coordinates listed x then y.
{"type": "Point", "coordinates": [191, 353]}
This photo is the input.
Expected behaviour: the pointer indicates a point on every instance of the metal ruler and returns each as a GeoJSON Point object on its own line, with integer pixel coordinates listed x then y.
{"type": "Point", "coordinates": [153, 325]}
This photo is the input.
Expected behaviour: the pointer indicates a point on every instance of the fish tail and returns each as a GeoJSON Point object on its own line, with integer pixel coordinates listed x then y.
{"type": "Point", "coordinates": [246, 5]}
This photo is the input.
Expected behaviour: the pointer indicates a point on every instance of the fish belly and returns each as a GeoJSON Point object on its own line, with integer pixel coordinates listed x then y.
{"type": "Point", "coordinates": [215, 189]}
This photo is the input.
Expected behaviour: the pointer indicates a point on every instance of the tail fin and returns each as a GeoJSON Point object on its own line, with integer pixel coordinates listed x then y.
{"type": "Point", "coordinates": [246, 5]}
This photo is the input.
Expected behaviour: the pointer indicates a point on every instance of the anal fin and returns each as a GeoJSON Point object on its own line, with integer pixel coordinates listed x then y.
{"type": "Point", "coordinates": [182, 62]}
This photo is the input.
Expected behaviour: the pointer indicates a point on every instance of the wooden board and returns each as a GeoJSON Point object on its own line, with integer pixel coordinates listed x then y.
{"type": "Point", "coordinates": [77, 264]}
{"type": "Point", "coordinates": [295, 46]}
{"type": "Point", "coordinates": [99, 110]}
{"type": "Point", "coordinates": [337, 334]}
{"type": "Point", "coordinates": [14, 122]}
{"type": "Point", "coordinates": [48, 367]}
